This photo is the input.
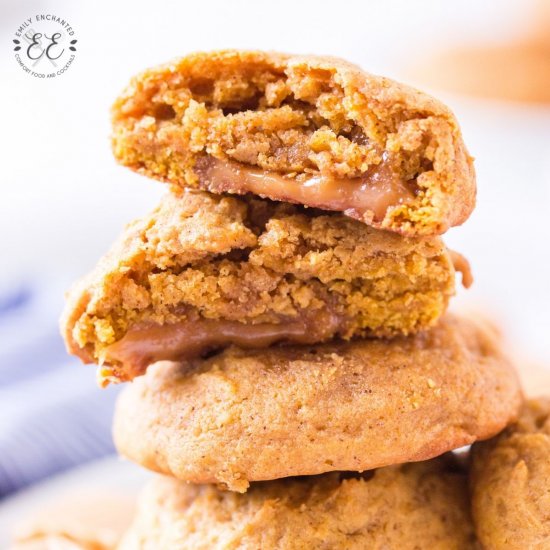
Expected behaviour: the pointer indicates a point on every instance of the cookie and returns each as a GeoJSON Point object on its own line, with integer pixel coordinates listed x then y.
{"type": "Point", "coordinates": [82, 520]}
{"type": "Point", "coordinates": [422, 505]}
{"type": "Point", "coordinates": [204, 271]}
{"type": "Point", "coordinates": [256, 415]}
{"type": "Point", "coordinates": [510, 481]}
{"type": "Point", "coordinates": [311, 130]}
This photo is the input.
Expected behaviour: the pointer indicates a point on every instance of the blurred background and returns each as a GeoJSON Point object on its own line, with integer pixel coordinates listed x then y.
{"type": "Point", "coordinates": [63, 199]}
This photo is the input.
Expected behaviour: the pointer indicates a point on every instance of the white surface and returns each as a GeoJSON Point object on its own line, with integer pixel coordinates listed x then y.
{"type": "Point", "coordinates": [111, 474]}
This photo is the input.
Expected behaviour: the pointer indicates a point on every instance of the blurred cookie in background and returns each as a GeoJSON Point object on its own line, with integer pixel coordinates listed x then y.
{"type": "Point", "coordinates": [90, 520]}
{"type": "Point", "coordinates": [510, 482]}
{"type": "Point", "coordinates": [516, 70]}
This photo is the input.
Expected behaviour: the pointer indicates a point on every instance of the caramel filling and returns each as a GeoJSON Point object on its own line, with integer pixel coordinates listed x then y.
{"type": "Point", "coordinates": [148, 343]}
{"type": "Point", "coordinates": [370, 195]}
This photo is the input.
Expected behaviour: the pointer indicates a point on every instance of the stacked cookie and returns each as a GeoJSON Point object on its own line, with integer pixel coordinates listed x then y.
{"type": "Point", "coordinates": [281, 313]}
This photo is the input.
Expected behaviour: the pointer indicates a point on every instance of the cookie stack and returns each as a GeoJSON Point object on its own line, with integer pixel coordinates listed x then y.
{"type": "Point", "coordinates": [281, 313]}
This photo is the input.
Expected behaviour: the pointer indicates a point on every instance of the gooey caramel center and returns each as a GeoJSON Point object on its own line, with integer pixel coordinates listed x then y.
{"type": "Point", "coordinates": [370, 195]}
{"type": "Point", "coordinates": [147, 343]}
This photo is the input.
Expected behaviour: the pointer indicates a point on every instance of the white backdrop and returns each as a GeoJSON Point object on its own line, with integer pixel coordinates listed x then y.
{"type": "Point", "coordinates": [63, 199]}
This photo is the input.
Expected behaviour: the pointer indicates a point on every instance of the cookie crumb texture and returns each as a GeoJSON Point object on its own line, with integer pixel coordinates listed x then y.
{"type": "Point", "coordinates": [204, 271]}
{"type": "Point", "coordinates": [312, 130]}
{"type": "Point", "coordinates": [511, 483]}
{"type": "Point", "coordinates": [252, 415]}
{"type": "Point", "coordinates": [415, 506]}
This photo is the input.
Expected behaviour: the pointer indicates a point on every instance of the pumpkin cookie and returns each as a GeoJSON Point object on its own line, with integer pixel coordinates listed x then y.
{"type": "Point", "coordinates": [204, 271]}
{"type": "Point", "coordinates": [311, 130]}
{"type": "Point", "coordinates": [255, 415]}
{"type": "Point", "coordinates": [511, 483]}
{"type": "Point", "coordinates": [422, 505]}
{"type": "Point", "coordinates": [83, 520]}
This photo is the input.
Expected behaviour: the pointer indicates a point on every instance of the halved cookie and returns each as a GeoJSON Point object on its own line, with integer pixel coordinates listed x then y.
{"type": "Point", "coordinates": [255, 415]}
{"type": "Point", "coordinates": [511, 483]}
{"type": "Point", "coordinates": [204, 271]}
{"type": "Point", "coordinates": [422, 505]}
{"type": "Point", "coordinates": [312, 130]}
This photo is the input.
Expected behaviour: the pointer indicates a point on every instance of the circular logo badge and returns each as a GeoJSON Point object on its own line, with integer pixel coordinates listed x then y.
{"type": "Point", "coordinates": [45, 46]}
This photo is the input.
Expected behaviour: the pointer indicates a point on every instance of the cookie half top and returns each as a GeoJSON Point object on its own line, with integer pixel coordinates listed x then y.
{"type": "Point", "coordinates": [511, 483]}
{"type": "Point", "coordinates": [423, 505]}
{"type": "Point", "coordinates": [311, 130]}
{"type": "Point", "coordinates": [204, 271]}
{"type": "Point", "coordinates": [251, 415]}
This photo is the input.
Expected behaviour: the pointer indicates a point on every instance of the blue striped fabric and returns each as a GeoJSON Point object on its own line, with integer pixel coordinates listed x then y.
{"type": "Point", "coordinates": [52, 414]}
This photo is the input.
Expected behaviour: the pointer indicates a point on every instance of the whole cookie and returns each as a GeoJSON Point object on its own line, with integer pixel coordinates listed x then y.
{"type": "Point", "coordinates": [311, 130]}
{"type": "Point", "coordinates": [415, 506]}
{"type": "Point", "coordinates": [203, 271]}
{"type": "Point", "coordinates": [510, 481]}
{"type": "Point", "coordinates": [245, 416]}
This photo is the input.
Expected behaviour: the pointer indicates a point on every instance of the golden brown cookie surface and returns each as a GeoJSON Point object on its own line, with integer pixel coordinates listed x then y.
{"type": "Point", "coordinates": [312, 130]}
{"type": "Point", "coordinates": [245, 416]}
{"type": "Point", "coordinates": [204, 271]}
{"type": "Point", "coordinates": [415, 506]}
{"type": "Point", "coordinates": [511, 483]}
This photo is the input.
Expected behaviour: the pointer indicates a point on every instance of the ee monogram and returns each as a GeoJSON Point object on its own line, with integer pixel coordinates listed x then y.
{"type": "Point", "coordinates": [46, 40]}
